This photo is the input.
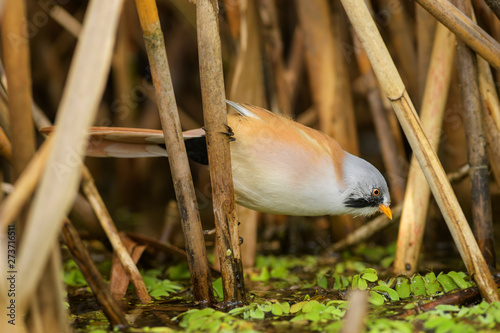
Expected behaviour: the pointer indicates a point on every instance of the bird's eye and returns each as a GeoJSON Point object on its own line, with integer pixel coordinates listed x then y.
{"type": "Point", "coordinates": [376, 192]}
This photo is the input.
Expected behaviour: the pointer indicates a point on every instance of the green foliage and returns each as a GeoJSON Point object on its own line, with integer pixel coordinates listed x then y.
{"type": "Point", "coordinates": [210, 320]}
{"type": "Point", "coordinates": [72, 274]}
{"type": "Point", "coordinates": [451, 318]}
{"type": "Point", "coordinates": [159, 287]}
{"type": "Point", "coordinates": [259, 311]}
{"type": "Point", "coordinates": [384, 325]}
{"type": "Point", "coordinates": [302, 306]}
{"type": "Point", "coordinates": [315, 311]}
{"type": "Point", "coordinates": [178, 272]}
{"type": "Point", "coordinates": [218, 292]}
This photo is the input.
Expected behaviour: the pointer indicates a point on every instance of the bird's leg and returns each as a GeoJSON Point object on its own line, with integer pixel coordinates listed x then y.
{"type": "Point", "coordinates": [229, 133]}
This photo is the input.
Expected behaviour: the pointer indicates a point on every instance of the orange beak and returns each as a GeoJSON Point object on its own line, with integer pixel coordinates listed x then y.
{"type": "Point", "coordinates": [386, 210]}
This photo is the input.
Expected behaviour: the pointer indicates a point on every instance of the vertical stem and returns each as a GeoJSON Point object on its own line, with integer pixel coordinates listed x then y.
{"type": "Point", "coordinates": [273, 47]}
{"type": "Point", "coordinates": [92, 276]}
{"type": "Point", "coordinates": [417, 196]}
{"type": "Point", "coordinates": [17, 69]}
{"type": "Point", "coordinates": [183, 183]}
{"type": "Point", "coordinates": [476, 149]}
{"type": "Point", "coordinates": [109, 228]}
{"type": "Point", "coordinates": [425, 27]}
{"type": "Point", "coordinates": [214, 110]}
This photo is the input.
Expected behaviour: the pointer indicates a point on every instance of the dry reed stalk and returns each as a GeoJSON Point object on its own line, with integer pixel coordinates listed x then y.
{"type": "Point", "coordinates": [5, 146]}
{"type": "Point", "coordinates": [417, 196]}
{"type": "Point", "coordinates": [24, 186]}
{"type": "Point", "coordinates": [247, 84]}
{"type": "Point", "coordinates": [78, 250]}
{"type": "Point", "coordinates": [465, 29]}
{"type": "Point", "coordinates": [118, 278]}
{"type": "Point", "coordinates": [233, 9]}
{"type": "Point", "coordinates": [388, 145]}
{"type": "Point", "coordinates": [329, 78]}
{"type": "Point", "coordinates": [356, 314]}
{"type": "Point", "coordinates": [170, 221]}
{"type": "Point", "coordinates": [425, 31]}
{"type": "Point", "coordinates": [247, 78]}
{"type": "Point", "coordinates": [109, 228]}
{"type": "Point", "coordinates": [476, 148]}
{"type": "Point", "coordinates": [54, 317]}
{"type": "Point", "coordinates": [273, 47]}
{"type": "Point", "coordinates": [59, 183]}
{"type": "Point", "coordinates": [215, 117]}
{"type": "Point", "coordinates": [179, 165]}
{"type": "Point", "coordinates": [491, 113]}
{"type": "Point", "coordinates": [494, 6]}
{"type": "Point", "coordinates": [295, 64]}
{"type": "Point", "coordinates": [403, 41]}
{"type": "Point", "coordinates": [66, 20]}
{"type": "Point", "coordinates": [16, 57]}
{"type": "Point", "coordinates": [248, 230]}
{"type": "Point", "coordinates": [47, 310]}
{"type": "Point", "coordinates": [395, 91]}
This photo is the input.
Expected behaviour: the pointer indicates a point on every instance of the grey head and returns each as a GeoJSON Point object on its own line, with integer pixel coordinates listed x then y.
{"type": "Point", "coordinates": [367, 190]}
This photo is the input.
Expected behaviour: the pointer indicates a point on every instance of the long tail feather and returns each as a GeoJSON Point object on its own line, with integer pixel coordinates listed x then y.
{"type": "Point", "coordinates": [124, 142]}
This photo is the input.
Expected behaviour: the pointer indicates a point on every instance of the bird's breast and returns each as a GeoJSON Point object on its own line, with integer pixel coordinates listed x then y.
{"type": "Point", "coordinates": [279, 176]}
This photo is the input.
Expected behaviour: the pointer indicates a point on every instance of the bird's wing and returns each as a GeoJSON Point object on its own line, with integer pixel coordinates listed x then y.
{"type": "Point", "coordinates": [247, 110]}
{"type": "Point", "coordinates": [128, 142]}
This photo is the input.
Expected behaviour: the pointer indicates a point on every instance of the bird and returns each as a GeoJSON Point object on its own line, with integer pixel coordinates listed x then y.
{"type": "Point", "coordinates": [279, 166]}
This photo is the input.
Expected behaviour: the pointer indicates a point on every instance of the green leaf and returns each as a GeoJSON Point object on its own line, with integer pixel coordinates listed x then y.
{"type": "Point", "coordinates": [362, 284]}
{"type": "Point", "coordinates": [418, 285]}
{"type": "Point", "coordinates": [240, 310]}
{"type": "Point", "coordinates": [432, 286]}
{"type": "Point", "coordinates": [391, 293]}
{"type": "Point", "coordinates": [355, 281]}
{"type": "Point", "coordinates": [158, 292]}
{"type": "Point", "coordinates": [370, 277]}
{"type": "Point", "coordinates": [446, 282]}
{"type": "Point", "coordinates": [313, 306]}
{"type": "Point", "coordinates": [297, 307]}
{"type": "Point", "coordinates": [459, 280]}
{"type": "Point", "coordinates": [387, 261]}
{"type": "Point", "coordinates": [280, 273]}
{"type": "Point", "coordinates": [178, 272]}
{"type": "Point", "coordinates": [322, 282]}
{"type": "Point", "coordinates": [447, 308]}
{"type": "Point", "coordinates": [286, 307]}
{"type": "Point", "coordinates": [376, 298]}
{"type": "Point", "coordinates": [340, 268]}
{"type": "Point", "coordinates": [369, 274]}
{"type": "Point", "coordinates": [312, 316]}
{"type": "Point", "coordinates": [440, 324]}
{"type": "Point", "coordinates": [218, 293]}
{"type": "Point", "coordinates": [264, 275]}
{"type": "Point", "coordinates": [266, 307]}
{"type": "Point", "coordinates": [276, 309]}
{"type": "Point", "coordinates": [257, 314]}
{"type": "Point", "coordinates": [403, 287]}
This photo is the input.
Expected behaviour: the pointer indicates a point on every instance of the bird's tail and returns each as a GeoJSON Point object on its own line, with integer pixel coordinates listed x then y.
{"type": "Point", "coordinates": [133, 143]}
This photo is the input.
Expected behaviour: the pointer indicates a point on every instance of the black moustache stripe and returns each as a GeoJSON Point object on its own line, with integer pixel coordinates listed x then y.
{"type": "Point", "coordinates": [362, 202]}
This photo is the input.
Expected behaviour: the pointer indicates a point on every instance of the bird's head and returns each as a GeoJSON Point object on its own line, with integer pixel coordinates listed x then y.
{"type": "Point", "coordinates": [366, 190]}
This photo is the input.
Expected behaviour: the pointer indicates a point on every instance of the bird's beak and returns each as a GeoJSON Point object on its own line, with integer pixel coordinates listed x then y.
{"type": "Point", "coordinates": [386, 210]}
